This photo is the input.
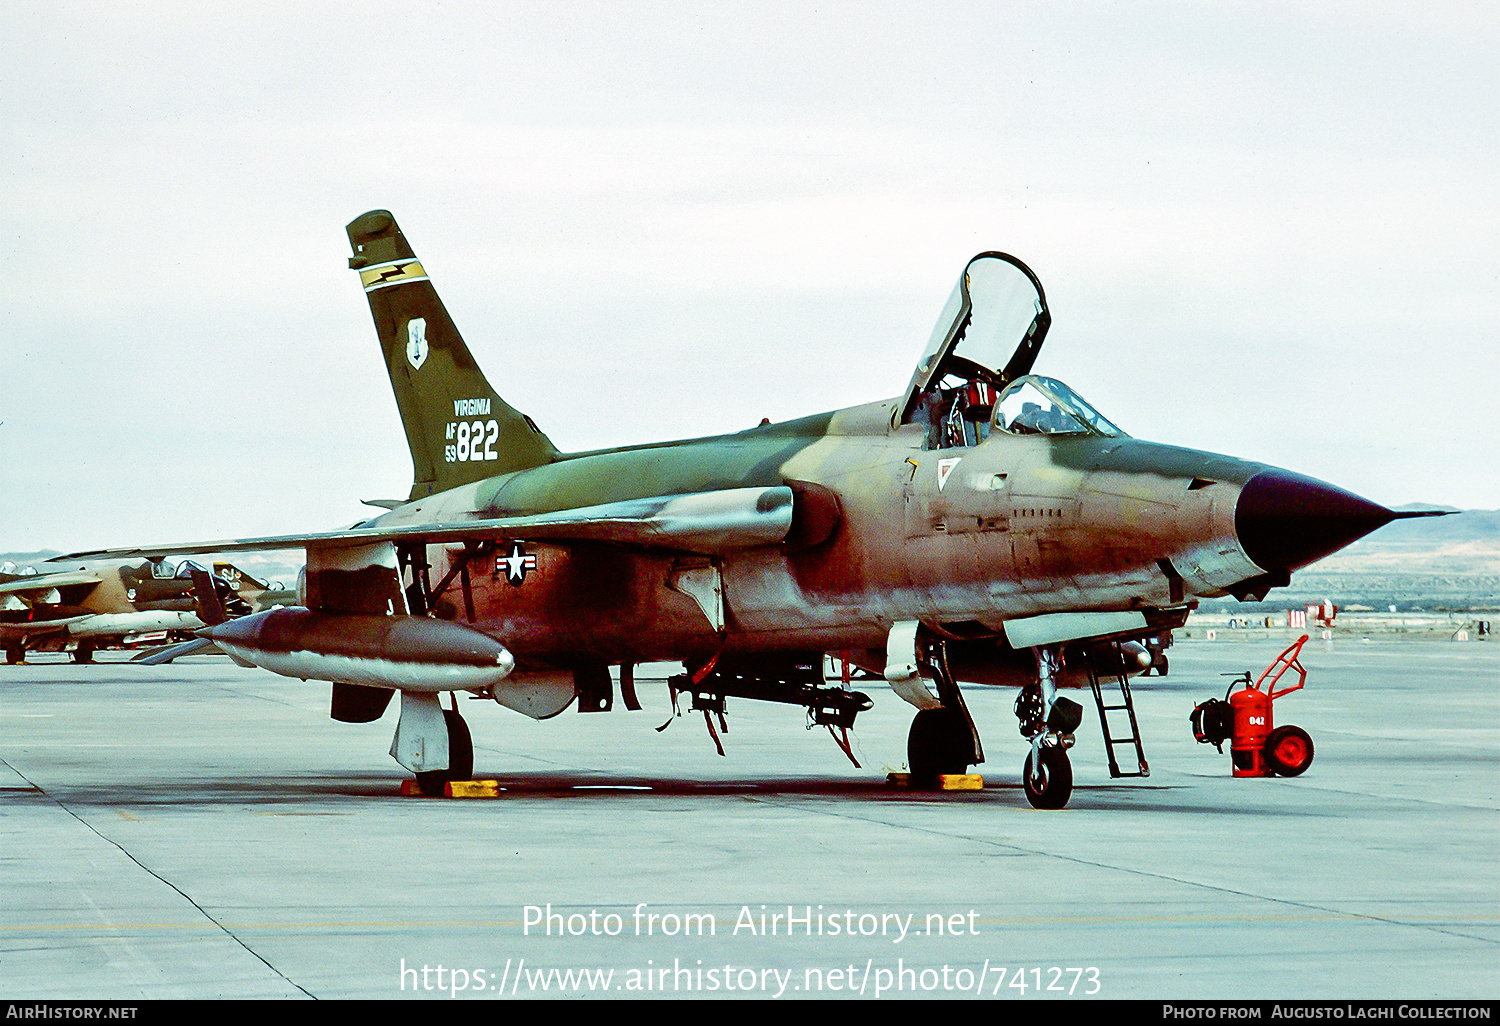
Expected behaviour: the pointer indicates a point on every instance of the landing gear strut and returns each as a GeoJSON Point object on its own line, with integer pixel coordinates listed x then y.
{"type": "Point", "coordinates": [1048, 722]}
{"type": "Point", "coordinates": [460, 755]}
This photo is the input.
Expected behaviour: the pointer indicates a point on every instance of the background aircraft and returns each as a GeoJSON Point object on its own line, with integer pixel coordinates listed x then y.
{"type": "Point", "coordinates": [988, 525]}
{"type": "Point", "coordinates": [85, 605]}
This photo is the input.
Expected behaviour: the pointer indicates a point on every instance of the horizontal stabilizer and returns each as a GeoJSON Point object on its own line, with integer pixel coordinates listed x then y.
{"type": "Point", "coordinates": [707, 523]}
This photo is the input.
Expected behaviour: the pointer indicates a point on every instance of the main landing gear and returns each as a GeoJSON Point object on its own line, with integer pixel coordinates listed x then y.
{"type": "Point", "coordinates": [460, 755]}
{"type": "Point", "coordinates": [1048, 722]}
{"type": "Point", "coordinates": [942, 741]}
{"type": "Point", "coordinates": [939, 743]}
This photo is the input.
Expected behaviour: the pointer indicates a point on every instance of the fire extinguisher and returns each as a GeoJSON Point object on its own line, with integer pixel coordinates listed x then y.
{"type": "Point", "coordinates": [1258, 747]}
{"type": "Point", "coordinates": [1252, 725]}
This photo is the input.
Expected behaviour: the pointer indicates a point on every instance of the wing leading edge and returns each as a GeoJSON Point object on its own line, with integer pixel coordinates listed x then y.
{"type": "Point", "coordinates": [707, 523]}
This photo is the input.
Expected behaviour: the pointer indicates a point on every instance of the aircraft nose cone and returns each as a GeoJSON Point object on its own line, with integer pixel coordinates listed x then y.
{"type": "Point", "coordinates": [1286, 521]}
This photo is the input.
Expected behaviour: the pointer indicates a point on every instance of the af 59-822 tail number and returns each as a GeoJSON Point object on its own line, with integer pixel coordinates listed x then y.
{"type": "Point", "coordinates": [471, 441]}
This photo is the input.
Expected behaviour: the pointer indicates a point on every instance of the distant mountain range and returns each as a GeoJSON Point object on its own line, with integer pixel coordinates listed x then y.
{"type": "Point", "coordinates": [1469, 525]}
{"type": "Point", "coordinates": [1466, 543]}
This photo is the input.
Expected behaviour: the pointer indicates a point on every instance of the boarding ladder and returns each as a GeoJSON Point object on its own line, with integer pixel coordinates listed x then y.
{"type": "Point", "coordinates": [1111, 740]}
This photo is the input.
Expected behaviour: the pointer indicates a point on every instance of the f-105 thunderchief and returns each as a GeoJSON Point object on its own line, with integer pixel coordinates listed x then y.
{"type": "Point", "coordinates": [986, 526]}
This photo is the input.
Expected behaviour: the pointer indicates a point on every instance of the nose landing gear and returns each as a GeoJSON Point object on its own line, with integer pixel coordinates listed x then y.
{"type": "Point", "coordinates": [1048, 722]}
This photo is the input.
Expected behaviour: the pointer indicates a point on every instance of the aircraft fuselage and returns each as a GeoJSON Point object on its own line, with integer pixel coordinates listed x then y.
{"type": "Point", "coordinates": [966, 536]}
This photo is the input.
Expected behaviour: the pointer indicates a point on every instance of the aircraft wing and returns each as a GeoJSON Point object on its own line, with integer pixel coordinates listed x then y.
{"type": "Point", "coordinates": [46, 582]}
{"type": "Point", "coordinates": [707, 523]}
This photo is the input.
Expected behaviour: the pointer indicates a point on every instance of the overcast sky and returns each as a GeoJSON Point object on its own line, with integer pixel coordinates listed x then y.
{"type": "Point", "coordinates": [1266, 230]}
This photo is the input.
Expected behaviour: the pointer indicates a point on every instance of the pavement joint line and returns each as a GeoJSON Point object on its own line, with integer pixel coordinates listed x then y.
{"type": "Point", "coordinates": [1125, 869]}
{"type": "Point", "coordinates": [202, 911]}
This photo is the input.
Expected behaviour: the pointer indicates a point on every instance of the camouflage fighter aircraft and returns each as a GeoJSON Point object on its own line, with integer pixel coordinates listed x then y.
{"type": "Point", "coordinates": [84, 605]}
{"type": "Point", "coordinates": [987, 525]}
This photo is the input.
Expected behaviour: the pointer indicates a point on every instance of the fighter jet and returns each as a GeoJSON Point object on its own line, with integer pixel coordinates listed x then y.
{"type": "Point", "coordinates": [84, 605]}
{"type": "Point", "coordinates": [987, 525]}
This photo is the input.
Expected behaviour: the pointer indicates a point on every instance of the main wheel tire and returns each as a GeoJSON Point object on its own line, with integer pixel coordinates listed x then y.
{"type": "Point", "coordinates": [460, 757]}
{"type": "Point", "coordinates": [15, 655]}
{"type": "Point", "coordinates": [83, 654]}
{"type": "Point", "coordinates": [1289, 751]}
{"type": "Point", "coordinates": [1055, 785]}
{"type": "Point", "coordinates": [939, 743]}
{"type": "Point", "coordinates": [1161, 666]}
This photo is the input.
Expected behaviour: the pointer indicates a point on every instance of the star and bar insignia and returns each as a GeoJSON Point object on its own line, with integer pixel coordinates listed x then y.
{"type": "Point", "coordinates": [515, 565]}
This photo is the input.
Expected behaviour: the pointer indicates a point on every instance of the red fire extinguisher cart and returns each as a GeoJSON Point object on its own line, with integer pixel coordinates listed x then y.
{"type": "Point", "coordinates": [1258, 747]}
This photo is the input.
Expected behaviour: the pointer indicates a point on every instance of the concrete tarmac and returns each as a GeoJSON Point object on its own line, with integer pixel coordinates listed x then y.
{"type": "Point", "coordinates": [203, 831]}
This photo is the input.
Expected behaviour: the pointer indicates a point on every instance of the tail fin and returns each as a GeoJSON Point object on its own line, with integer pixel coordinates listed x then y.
{"type": "Point", "coordinates": [459, 430]}
{"type": "Point", "coordinates": [243, 582]}
{"type": "Point", "coordinates": [206, 601]}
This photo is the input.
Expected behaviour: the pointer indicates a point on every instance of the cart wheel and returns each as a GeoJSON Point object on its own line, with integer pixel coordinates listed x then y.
{"type": "Point", "coordinates": [1289, 751]}
{"type": "Point", "coordinates": [1055, 787]}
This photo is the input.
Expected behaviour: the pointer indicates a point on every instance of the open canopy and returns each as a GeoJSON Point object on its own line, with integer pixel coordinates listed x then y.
{"type": "Point", "coordinates": [989, 331]}
{"type": "Point", "coordinates": [975, 374]}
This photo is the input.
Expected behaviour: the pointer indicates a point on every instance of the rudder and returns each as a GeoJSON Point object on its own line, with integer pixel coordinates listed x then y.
{"type": "Point", "coordinates": [458, 429]}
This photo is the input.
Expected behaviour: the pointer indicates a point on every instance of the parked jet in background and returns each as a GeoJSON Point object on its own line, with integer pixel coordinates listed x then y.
{"type": "Point", "coordinates": [988, 525]}
{"type": "Point", "coordinates": [84, 605]}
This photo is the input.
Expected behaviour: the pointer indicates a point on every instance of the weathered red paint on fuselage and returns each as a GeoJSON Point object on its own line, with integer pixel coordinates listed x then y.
{"type": "Point", "coordinates": [972, 537]}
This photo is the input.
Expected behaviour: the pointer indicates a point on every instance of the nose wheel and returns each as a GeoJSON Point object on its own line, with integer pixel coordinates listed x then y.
{"type": "Point", "coordinates": [1048, 722]}
{"type": "Point", "coordinates": [1048, 780]}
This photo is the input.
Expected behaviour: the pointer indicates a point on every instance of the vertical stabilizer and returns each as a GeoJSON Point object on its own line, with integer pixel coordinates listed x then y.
{"type": "Point", "coordinates": [459, 430]}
